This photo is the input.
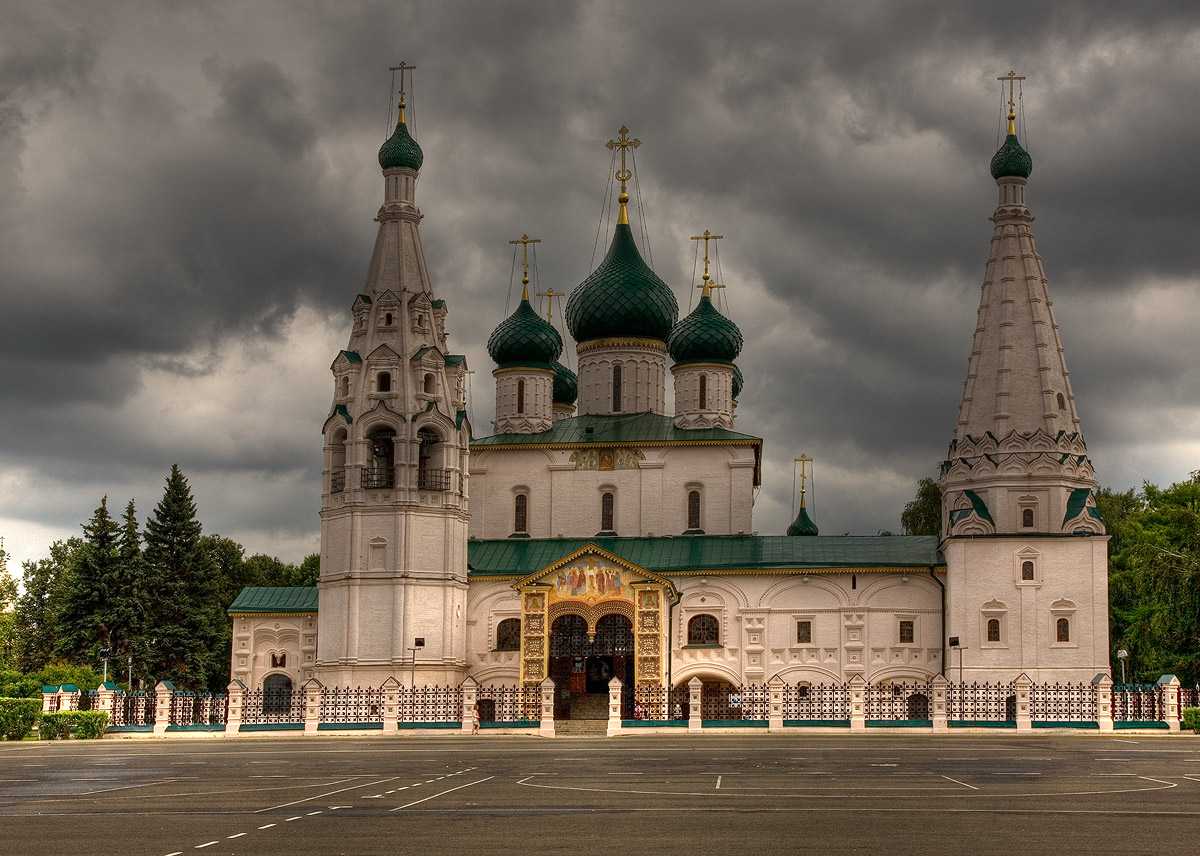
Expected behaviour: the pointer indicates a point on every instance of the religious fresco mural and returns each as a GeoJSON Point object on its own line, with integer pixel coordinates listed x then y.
{"type": "Point", "coordinates": [590, 581]}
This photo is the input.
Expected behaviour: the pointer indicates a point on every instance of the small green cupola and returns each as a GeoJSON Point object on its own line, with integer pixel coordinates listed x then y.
{"type": "Point", "coordinates": [525, 339]}
{"type": "Point", "coordinates": [566, 385]}
{"type": "Point", "coordinates": [400, 150]}
{"type": "Point", "coordinates": [705, 336]}
{"type": "Point", "coordinates": [1011, 160]}
{"type": "Point", "coordinates": [803, 524]}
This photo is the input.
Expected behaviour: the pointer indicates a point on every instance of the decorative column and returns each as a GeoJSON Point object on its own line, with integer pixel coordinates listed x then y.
{"type": "Point", "coordinates": [312, 689]}
{"type": "Point", "coordinates": [614, 707]}
{"type": "Point", "coordinates": [1104, 717]}
{"type": "Point", "coordinates": [1168, 686]}
{"type": "Point", "coordinates": [68, 697]}
{"type": "Point", "coordinates": [695, 723]}
{"type": "Point", "coordinates": [546, 723]}
{"type": "Point", "coordinates": [858, 702]}
{"type": "Point", "coordinates": [775, 704]}
{"type": "Point", "coordinates": [470, 696]}
{"type": "Point", "coordinates": [237, 698]}
{"type": "Point", "coordinates": [1024, 717]}
{"type": "Point", "coordinates": [163, 692]}
{"type": "Point", "coordinates": [48, 694]}
{"type": "Point", "coordinates": [940, 684]}
{"type": "Point", "coordinates": [391, 704]}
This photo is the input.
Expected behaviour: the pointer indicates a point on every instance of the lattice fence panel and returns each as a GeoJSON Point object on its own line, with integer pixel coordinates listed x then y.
{"type": "Point", "coordinates": [197, 708]}
{"type": "Point", "coordinates": [273, 705]}
{"type": "Point", "coordinates": [1062, 702]}
{"type": "Point", "coordinates": [981, 702]}
{"type": "Point", "coordinates": [900, 700]}
{"type": "Point", "coordinates": [825, 701]}
{"type": "Point", "coordinates": [510, 703]}
{"type": "Point", "coordinates": [1137, 703]}
{"type": "Point", "coordinates": [351, 704]}
{"type": "Point", "coordinates": [651, 701]}
{"type": "Point", "coordinates": [135, 708]}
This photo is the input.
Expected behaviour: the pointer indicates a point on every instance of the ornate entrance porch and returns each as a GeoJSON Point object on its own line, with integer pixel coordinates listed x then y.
{"type": "Point", "coordinates": [584, 660]}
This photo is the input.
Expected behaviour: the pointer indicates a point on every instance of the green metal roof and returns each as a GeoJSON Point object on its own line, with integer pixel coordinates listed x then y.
{"type": "Point", "coordinates": [352, 356]}
{"type": "Point", "coordinates": [1077, 502]}
{"type": "Point", "coordinates": [566, 384]}
{"type": "Point", "coordinates": [977, 505]}
{"type": "Point", "coordinates": [622, 297]}
{"type": "Point", "coordinates": [524, 337]}
{"type": "Point", "coordinates": [455, 359]}
{"type": "Point", "coordinates": [438, 304]}
{"type": "Point", "coordinates": [803, 525]}
{"type": "Point", "coordinates": [631, 429]}
{"type": "Point", "coordinates": [275, 599]}
{"type": "Point", "coordinates": [705, 336]}
{"type": "Point", "coordinates": [520, 556]}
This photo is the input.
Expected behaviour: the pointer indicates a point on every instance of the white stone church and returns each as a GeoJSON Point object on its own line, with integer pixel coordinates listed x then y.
{"type": "Point", "coordinates": [595, 534]}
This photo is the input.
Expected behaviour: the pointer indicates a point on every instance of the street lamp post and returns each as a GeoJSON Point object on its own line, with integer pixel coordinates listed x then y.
{"type": "Point", "coordinates": [418, 644]}
{"type": "Point", "coordinates": [1122, 656]}
{"type": "Point", "coordinates": [104, 652]}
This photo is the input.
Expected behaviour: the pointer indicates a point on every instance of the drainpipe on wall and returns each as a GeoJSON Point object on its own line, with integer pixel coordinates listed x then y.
{"type": "Point", "coordinates": [671, 602]}
{"type": "Point", "coordinates": [942, 586]}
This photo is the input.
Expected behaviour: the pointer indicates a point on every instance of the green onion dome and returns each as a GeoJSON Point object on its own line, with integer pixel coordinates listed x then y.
{"type": "Point", "coordinates": [622, 297]}
{"type": "Point", "coordinates": [401, 151]}
{"type": "Point", "coordinates": [566, 385]}
{"type": "Point", "coordinates": [737, 382]}
{"type": "Point", "coordinates": [1011, 160]}
{"type": "Point", "coordinates": [525, 339]}
{"type": "Point", "coordinates": [705, 336]}
{"type": "Point", "coordinates": [803, 524]}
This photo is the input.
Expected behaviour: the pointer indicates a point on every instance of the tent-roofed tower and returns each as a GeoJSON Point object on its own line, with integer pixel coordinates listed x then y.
{"type": "Point", "coordinates": [1023, 540]}
{"type": "Point", "coordinates": [394, 508]}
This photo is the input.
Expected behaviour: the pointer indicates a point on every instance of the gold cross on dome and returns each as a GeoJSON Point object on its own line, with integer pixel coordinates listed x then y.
{"type": "Point", "coordinates": [525, 241]}
{"type": "Point", "coordinates": [550, 294]}
{"type": "Point", "coordinates": [1012, 77]}
{"type": "Point", "coordinates": [704, 280]}
{"type": "Point", "coordinates": [805, 462]}
{"type": "Point", "coordinates": [402, 67]}
{"type": "Point", "coordinates": [624, 143]}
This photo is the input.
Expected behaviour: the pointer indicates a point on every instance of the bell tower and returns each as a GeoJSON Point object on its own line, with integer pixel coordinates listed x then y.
{"type": "Point", "coordinates": [1026, 550]}
{"type": "Point", "coordinates": [394, 507]}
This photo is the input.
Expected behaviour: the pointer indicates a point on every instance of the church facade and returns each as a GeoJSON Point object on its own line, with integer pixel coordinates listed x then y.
{"type": "Point", "coordinates": [597, 533]}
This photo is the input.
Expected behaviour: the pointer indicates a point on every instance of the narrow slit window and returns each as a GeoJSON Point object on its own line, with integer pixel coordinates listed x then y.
{"type": "Point", "coordinates": [704, 392]}
{"type": "Point", "coordinates": [520, 514]}
{"type": "Point", "coordinates": [520, 396]}
{"type": "Point", "coordinates": [804, 632]}
{"type": "Point", "coordinates": [607, 504]}
{"type": "Point", "coordinates": [1063, 630]}
{"type": "Point", "coordinates": [693, 505]}
{"type": "Point", "coordinates": [1027, 571]}
{"type": "Point", "coordinates": [906, 633]}
{"type": "Point", "coordinates": [993, 630]}
{"type": "Point", "coordinates": [1027, 518]}
{"type": "Point", "coordinates": [616, 389]}
{"type": "Point", "coordinates": [1062, 402]}
{"type": "Point", "coordinates": [384, 382]}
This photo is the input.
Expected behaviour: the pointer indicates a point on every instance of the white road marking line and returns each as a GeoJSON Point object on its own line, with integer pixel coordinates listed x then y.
{"type": "Point", "coordinates": [175, 853]}
{"type": "Point", "coordinates": [311, 813]}
{"type": "Point", "coordinates": [1192, 778]}
{"type": "Point", "coordinates": [126, 787]}
{"type": "Point", "coordinates": [290, 819]}
{"type": "Point", "coordinates": [1014, 773]}
{"type": "Point", "coordinates": [1122, 740]}
{"type": "Point", "coordinates": [267, 826]}
{"type": "Point", "coordinates": [718, 787]}
{"type": "Point", "coordinates": [443, 793]}
{"type": "Point", "coordinates": [207, 844]}
{"type": "Point", "coordinates": [375, 796]}
{"type": "Point", "coordinates": [235, 835]}
{"type": "Point", "coordinates": [327, 794]}
{"type": "Point", "coordinates": [1160, 781]}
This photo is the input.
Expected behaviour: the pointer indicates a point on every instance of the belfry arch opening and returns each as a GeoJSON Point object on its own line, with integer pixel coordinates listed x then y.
{"type": "Point", "coordinates": [583, 661]}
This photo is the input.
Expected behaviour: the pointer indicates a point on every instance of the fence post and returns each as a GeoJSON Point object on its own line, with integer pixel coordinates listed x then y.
{"type": "Point", "coordinates": [614, 706]}
{"type": "Point", "coordinates": [1104, 715]}
{"type": "Point", "coordinates": [49, 696]}
{"type": "Point", "coordinates": [312, 689]}
{"type": "Point", "coordinates": [391, 701]}
{"type": "Point", "coordinates": [68, 695]}
{"type": "Point", "coordinates": [470, 698]}
{"type": "Point", "coordinates": [104, 698]}
{"type": "Point", "coordinates": [695, 721]}
{"type": "Point", "coordinates": [164, 691]}
{"type": "Point", "coordinates": [1021, 689]}
{"type": "Point", "coordinates": [546, 721]}
{"type": "Point", "coordinates": [1168, 687]}
{"type": "Point", "coordinates": [237, 698]}
{"type": "Point", "coordinates": [940, 686]}
{"type": "Point", "coordinates": [858, 702]}
{"type": "Point", "coordinates": [775, 704]}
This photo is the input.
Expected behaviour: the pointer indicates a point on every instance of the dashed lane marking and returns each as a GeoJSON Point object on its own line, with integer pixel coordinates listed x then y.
{"type": "Point", "coordinates": [328, 794]}
{"type": "Point", "coordinates": [235, 835]}
{"type": "Point", "coordinates": [957, 782]}
{"type": "Point", "coordinates": [297, 817]}
{"type": "Point", "coordinates": [443, 793]}
{"type": "Point", "coordinates": [311, 813]}
{"type": "Point", "coordinates": [207, 844]}
{"type": "Point", "coordinates": [266, 826]}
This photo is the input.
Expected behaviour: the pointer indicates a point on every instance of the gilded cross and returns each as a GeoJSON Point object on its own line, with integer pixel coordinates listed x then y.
{"type": "Point", "coordinates": [805, 463]}
{"type": "Point", "coordinates": [1012, 77]}
{"type": "Point", "coordinates": [624, 143]}
{"type": "Point", "coordinates": [525, 241]}
{"type": "Point", "coordinates": [704, 280]}
{"type": "Point", "coordinates": [402, 68]}
{"type": "Point", "coordinates": [550, 294]}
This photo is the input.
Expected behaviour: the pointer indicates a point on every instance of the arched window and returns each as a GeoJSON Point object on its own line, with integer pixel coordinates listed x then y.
{"type": "Point", "coordinates": [344, 386]}
{"type": "Point", "coordinates": [429, 476]}
{"type": "Point", "coordinates": [607, 506]}
{"type": "Point", "coordinates": [993, 630]}
{"type": "Point", "coordinates": [380, 470]}
{"type": "Point", "coordinates": [704, 630]}
{"type": "Point", "coordinates": [616, 389]}
{"type": "Point", "coordinates": [387, 319]}
{"type": "Point", "coordinates": [1062, 630]}
{"type": "Point", "coordinates": [804, 632]}
{"type": "Point", "coordinates": [693, 511]}
{"type": "Point", "coordinates": [704, 392]}
{"type": "Point", "coordinates": [508, 635]}
{"type": "Point", "coordinates": [1027, 570]}
{"type": "Point", "coordinates": [337, 462]}
{"type": "Point", "coordinates": [383, 382]}
{"type": "Point", "coordinates": [1027, 518]}
{"type": "Point", "coordinates": [520, 514]}
{"type": "Point", "coordinates": [1062, 402]}
{"type": "Point", "coordinates": [906, 632]}
{"type": "Point", "coordinates": [429, 384]}
{"type": "Point", "coordinates": [520, 396]}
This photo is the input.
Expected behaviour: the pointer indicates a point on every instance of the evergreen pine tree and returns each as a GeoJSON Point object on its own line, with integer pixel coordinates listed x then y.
{"type": "Point", "coordinates": [127, 589]}
{"type": "Point", "coordinates": [83, 624]}
{"type": "Point", "coordinates": [184, 622]}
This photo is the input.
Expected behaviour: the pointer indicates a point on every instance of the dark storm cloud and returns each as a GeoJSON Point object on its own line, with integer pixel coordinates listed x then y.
{"type": "Point", "coordinates": [179, 186]}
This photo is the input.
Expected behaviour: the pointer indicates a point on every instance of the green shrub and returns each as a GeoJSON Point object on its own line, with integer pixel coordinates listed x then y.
{"type": "Point", "coordinates": [1191, 719]}
{"type": "Point", "coordinates": [80, 724]}
{"type": "Point", "coordinates": [18, 716]}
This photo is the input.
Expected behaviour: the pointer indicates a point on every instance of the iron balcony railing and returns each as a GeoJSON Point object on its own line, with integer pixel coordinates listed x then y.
{"type": "Point", "coordinates": [428, 479]}
{"type": "Point", "coordinates": [377, 477]}
{"type": "Point", "coordinates": [337, 481]}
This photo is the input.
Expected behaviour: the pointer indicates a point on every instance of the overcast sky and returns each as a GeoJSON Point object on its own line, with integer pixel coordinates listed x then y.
{"type": "Point", "coordinates": [187, 194]}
